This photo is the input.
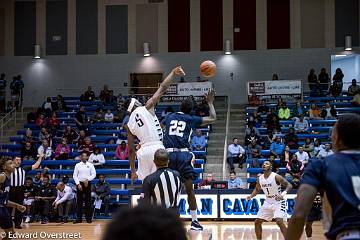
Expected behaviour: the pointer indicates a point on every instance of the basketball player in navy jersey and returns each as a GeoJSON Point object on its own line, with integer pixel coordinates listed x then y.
{"type": "Point", "coordinates": [339, 177]}
{"type": "Point", "coordinates": [6, 168]}
{"type": "Point", "coordinates": [178, 129]}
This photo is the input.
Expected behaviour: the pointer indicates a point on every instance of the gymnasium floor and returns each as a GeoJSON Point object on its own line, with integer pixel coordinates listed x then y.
{"type": "Point", "coordinates": [212, 230]}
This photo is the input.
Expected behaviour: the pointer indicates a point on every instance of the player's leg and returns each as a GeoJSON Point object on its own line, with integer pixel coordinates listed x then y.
{"type": "Point", "coordinates": [265, 213]}
{"type": "Point", "coordinates": [6, 223]}
{"type": "Point", "coordinates": [258, 228]}
{"type": "Point", "coordinates": [280, 222]}
{"type": "Point", "coordinates": [280, 216]}
{"type": "Point", "coordinates": [308, 229]}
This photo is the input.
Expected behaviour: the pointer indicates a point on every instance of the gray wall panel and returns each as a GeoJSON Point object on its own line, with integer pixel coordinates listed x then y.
{"type": "Point", "coordinates": [116, 29]}
{"type": "Point", "coordinates": [86, 26]}
{"type": "Point", "coordinates": [346, 21]}
{"type": "Point", "coordinates": [2, 31]}
{"type": "Point", "coordinates": [147, 26]}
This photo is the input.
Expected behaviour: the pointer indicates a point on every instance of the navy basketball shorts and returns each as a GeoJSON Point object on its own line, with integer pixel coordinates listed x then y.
{"type": "Point", "coordinates": [314, 215]}
{"type": "Point", "coordinates": [5, 218]}
{"type": "Point", "coordinates": [181, 162]}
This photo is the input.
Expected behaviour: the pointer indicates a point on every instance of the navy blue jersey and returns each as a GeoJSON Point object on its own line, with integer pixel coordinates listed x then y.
{"type": "Point", "coordinates": [339, 176]}
{"type": "Point", "coordinates": [178, 129]}
{"type": "Point", "coordinates": [4, 191]}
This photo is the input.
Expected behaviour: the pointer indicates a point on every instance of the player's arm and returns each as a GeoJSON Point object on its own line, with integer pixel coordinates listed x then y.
{"type": "Point", "coordinates": [284, 183]}
{"type": "Point", "coordinates": [19, 207]}
{"type": "Point", "coordinates": [150, 104]}
{"type": "Point", "coordinates": [36, 165]}
{"type": "Point", "coordinates": [132, 153]}
{"type": "Point", "coordinates": [209, 97]}
{"type": "Point", "coordinates": [255, 191]}
{"type": "Point", "coordinates": [2, 178]}
{"type": "Point", "coordinates": [303, 203]}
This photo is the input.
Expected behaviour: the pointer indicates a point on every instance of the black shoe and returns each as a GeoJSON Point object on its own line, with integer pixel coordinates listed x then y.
{"type": "Point", "coordinates": [18, 227]}
{"type": "Point", "coordinates": [89, 221]}
{"type": "Point", "coordinates": [77, 221]}
{"type": "Point", "coordinates": [65, 220]}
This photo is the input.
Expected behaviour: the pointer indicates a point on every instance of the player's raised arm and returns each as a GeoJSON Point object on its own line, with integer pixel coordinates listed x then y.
{"type": "Point", "coordinates": [150, 104]}
{"type": "Point", "coordinates": [212, 113]}
{"type": "Point", "coordinates": [132, 153]}
{"type": "Point", "coordinates": [255, 191]}
{"type": "Point", "coordinates": [303, 203]}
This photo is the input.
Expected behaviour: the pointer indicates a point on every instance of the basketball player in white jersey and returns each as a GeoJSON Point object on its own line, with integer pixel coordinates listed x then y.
{"type": "Point", "coordinates": [144, 125]}
{"type": "Point", "coordinates": [274, 205]}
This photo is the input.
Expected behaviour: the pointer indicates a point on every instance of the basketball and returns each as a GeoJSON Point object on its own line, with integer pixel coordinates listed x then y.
{"type": "Point", "coordinates": [208, 68]}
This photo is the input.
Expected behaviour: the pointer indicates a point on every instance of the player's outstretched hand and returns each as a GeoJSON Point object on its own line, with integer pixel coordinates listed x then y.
{"type": "Point", "coordinates": [279, 198]}
{"type": "Point", "coordinates": [210, 95]}
{"type": "Point", "coordinates": [248, 198]}
{"type": "Point", "coordinates": [179, 71]}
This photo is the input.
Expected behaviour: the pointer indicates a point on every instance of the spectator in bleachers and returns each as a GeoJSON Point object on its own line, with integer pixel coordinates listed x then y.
{"type": "Point", "coordinates": [326, 151]}
{"type": "Point", "coordinates": [298, 109]}
{"type": "Point", "coordinates": [70, 134]}
{"type": "Point", "coordinates": [28, 136]}
{"type": "Point", "coordinates": [16, 87]}
{"type": "Point", "coordinates": [317, 147]}
{"type": "Point", "coordinates": [87, 147]}
{"type": "Point", "coordinates": [109, 116]}
{"type": "Point", "coordinates": [111, 100]}
{"type": "Point", "coordinates": [277, 148]}
{"type": "Point", "coordinates": [263, 108]}
{"type": "Point", "coordinates": [356, 99]}
{"type": "Point", "coordinates": [314, 112]}
{"type": "Point", "coordinates": [198, 142]}
{"type": "Point", "coordinates": [275, 76]}
{"type": "Point", "coordinates": [314, 84]}
{"type": "Point", "coordinates": [353, 88]}
{"type": "Point", "coordinates": [202, 109]}
{"type": "Point", "coordinates": [206, 183]}
{"type": "Point", "coordinates": [255, 119]}
{"type": "Point", "coordinates": [337, 85]}
{"type": "Point", "coordinates": [279, 104]}
{"type": "Point", "coordinates": [253, 151]}
{"type": "Point", "coordinates": [267, 140]}
{"type": "Point", "coordinates": [122, 151]}
{"type": "Point", "coordinates": [328, 111]}
{"type": "Point", "coordinates": [60, 104]}
{"type": "Point", "coordinates": [89, 95]}
{"type": "Point", "coordinates": [301, 125]}
{"type": "Point", "coordinates": [37, 179]}
{"type": "Point", "coordinates": [235, 154]}
{"type": "Point", "coordinates": [45, 135]}
{"type": "Point", "coordinates": [272, 121]}
{"type": "Point", "coordinates": [295, 169]}
{"type": "Point", "coordinates": [53, 124]}
{"type": "Point", "coordinates": [101, 190]}
{"type": "Point", "coordinates": [120, 99]}
{"type": "Point", "coordinates": [284, 112]}
{"type": "Point", "coordinates": [234, 182]}
{"type": "Point", "coordinates": [41, 121]}
{"type": "Point", "coordinates": [81, 139]}
{"type": "Point", "coordinates": [98, 116]}
{"type": "Point", "coordinates": [62, 151]}
{"type": "Point", "coordinates": [254, 100]}
{"type": "Point", "coordinates": [291, 139]}
{"type": "Point", "coordinates": [29, 196]}
{"type": "Point", "coordinates": [31, 118]}
{"type": "Point", "coordinates": [302, 156]}
{"type": "Point", "coordinates": [251, 135]}
{"type": "Point", "coordinates": [44, 198]}
{"type": "Point", "coordinates": [64, 201]}
{"type": "Point", "coordinates": [309, 146]}
{"type": "Point", "coordinates": [47, 107]}
{"type": "Point", "coordinates": [28, 151]}
{"type": "Point", "coordinates": [81, 118]}
{"type": "Point", "coordinates": [287, 154]}
{"type": "Point", "coordinates": [324, 80]}
{"type": "Point", "coordinates": [104, 93]}
{"type": "Point", "coordinates": [120, 114]}
{"type": "Point", "coordinates": [97, 158]}
{"type": "Point", "coordinates": [45, 150]}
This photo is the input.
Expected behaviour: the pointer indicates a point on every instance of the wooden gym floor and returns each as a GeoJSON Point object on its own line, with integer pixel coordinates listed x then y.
{"type": "Point", "coordinates": [225, 230]}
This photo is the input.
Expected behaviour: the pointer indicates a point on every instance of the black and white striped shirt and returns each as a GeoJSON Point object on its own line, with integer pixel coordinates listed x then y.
{"type": "Point", "coordinates": [17, 178]}
{"type": "Point", "coordinates": [162, 188]}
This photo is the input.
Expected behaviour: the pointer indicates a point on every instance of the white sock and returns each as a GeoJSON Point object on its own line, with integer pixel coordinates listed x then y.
{"type": "Point", "coordinates": [193, 214]}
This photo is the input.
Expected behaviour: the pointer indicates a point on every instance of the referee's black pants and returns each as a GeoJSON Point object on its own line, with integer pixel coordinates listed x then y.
{"type": "Point", "coordinates": [16, 195]}
{"type": "Point", "coordinates": [84, 196]}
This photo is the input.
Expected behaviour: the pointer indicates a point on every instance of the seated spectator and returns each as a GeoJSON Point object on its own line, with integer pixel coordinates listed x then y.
{"type": "Point", "coordinates": [309, 146]}
{"type": "Point", "coordinates": [104, 93]}
{"type": "Point", "coordinates": [325, 152]}
{"type": "Point", "coordinates": [81, 139]}
{"type": "Point", "coordinates": [87, 147]}
{"type": "Point", "coordinates": [298, 109]}
{"type": "Point", "coordinates": [263, 108]}
{"type": "Point", "coordinates": [328, 112]}
{"type": "Point", "coordinates": [234, 182]}
{"type": "Point", "coordinates": [62, 151]}
{"type": "Point", "coordinates": [97, 158]}
{"type": "Point", "coordinates": [101, 190]}
{"type": "Point", "coordinates": [29, 196]}
{"type": "Point", "coordinates": [356, 100]}
{"type": "Point", "coordinates": [109, 116]}
{"type": "Point", "coordinates": [122, 151]}
{"type": "Point", "coordinates": [291, 139]}
{"type": "Point", "coordinates": [53, 123]}
{"type": "Point", "coordinates": [89, 95]}
{"type": "Point", "coordinates": [272, 121]}
{"type": "Point", "coordinates": [41, 121]}
{"type": "Point", "coordinates": [267, 140]}
{"type": "Point", "coordinates": [206, 183]}
{"type": "Point", "coordinates": [317, 147]}
{"type": "Point", "coordinates": [284, 112]}
{"type": "Point", "coordinates": [28, 152]}
{"type": "Point", "coordinates": [64, 201]}
{"type": "Point", "coordinates": [202, 109]}
{"type": "Point", "coordinates": [70, 134]}
{"type": "Point", "coordinates": [81, 118]}
{"type": "Point", "coordinates": [287, 155]}
{"type": "Point", "coordinates": [44, 198]}
{"type": "Point", "coordinates": [47, 107]}
{"type": "Point", "coordinates": [166, 112]}
{"type": "Point", "coordinates": [98, 116]}
{"type": "Point", "coordinates": [111, 99]}
{"type": "Point", "coordinates": [120, 114]}
{"type": "Point", "coordinates": [120, 99]}
{"type": "Point", "coordinates": [28, 136]}
{"type": "Point", "coordinates": [336, 88]}
{"type": "Point", "coordinates": [301, 125]}
{"type": "Point", "coordinates": [277, 148]}
{"type": "Point", "coordinates": [45, 150]}
{"type": "Point", "coordinates": [314, 112]}
{"type": "Point", "coordinates": [30, 117]}
{"type": "Point", "coordinates": [254, 100]}
{"type": "Point", "coordinates": [255, 119]}
{"type": "Point", "coordinates": [37, 180]}
{"type": "Point", "coordinates": [353, 88]}
{"type": "Point", "coordinates": [235, 154]}
{"type": "Point", "coordinates": [45, 135]}
{"type": "Point", "coordinates": [60, 104]}
{"type": "Point", "coordinates": [302, 156]}
{"type": "Point", "coordinates": [198, 142]}
{"type": "Point", "coordinates": [253, 151]}
{"type": "Point", "coordinates": [295, 169]}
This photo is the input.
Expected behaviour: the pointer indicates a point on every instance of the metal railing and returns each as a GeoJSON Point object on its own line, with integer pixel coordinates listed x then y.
{"type": "Point", "coordinates": [6, 120]}
{"type": "Point", "coordinates": [226, 136]}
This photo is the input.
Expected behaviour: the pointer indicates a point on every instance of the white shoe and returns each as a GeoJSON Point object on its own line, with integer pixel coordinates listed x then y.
{"type": "Point", "coordinates": [27, 220]}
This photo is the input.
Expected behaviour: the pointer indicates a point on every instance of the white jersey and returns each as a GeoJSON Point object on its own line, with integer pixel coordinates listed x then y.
{"type": "Point", "coordinates": [146, 126]}
{"type": "Point", "coordinates": [269, 186]}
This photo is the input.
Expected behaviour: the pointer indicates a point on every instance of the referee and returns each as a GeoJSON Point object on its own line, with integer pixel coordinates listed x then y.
{"type": "Point", "coordinates": [17, 182]}
{"type": "Point", "coordinates": [162, 187]}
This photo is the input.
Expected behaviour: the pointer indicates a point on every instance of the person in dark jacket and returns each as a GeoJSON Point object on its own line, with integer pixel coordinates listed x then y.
{"type": "Point", "coordinates": [101, 190]}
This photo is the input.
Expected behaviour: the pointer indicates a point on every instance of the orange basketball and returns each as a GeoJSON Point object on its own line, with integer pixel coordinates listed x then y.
{"type": "Point", "coordinates": [208, 68]}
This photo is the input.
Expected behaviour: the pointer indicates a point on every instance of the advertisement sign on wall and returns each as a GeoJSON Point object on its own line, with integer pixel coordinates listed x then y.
{"type": "Point", "coordinates": [275, 89]}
